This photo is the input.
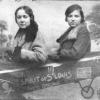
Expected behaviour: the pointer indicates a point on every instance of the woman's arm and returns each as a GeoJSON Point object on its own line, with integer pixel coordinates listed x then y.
{"type": "Point", "coordinates": [36, 55]}
{"type": "Point", "coordinates": [38, 51]}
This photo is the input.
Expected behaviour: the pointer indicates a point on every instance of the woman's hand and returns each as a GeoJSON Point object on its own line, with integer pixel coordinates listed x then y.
{"type": "Point", "coordinates": [26, 54]}
{"type": "Point", "coordinates": [54, 51]}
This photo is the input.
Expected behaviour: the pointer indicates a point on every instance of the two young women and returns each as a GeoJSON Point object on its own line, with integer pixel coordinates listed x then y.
{"type": "Point", "coordinates": [29, 44]}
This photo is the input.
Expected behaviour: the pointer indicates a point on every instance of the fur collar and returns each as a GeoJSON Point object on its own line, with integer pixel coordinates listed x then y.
{"type": "Point", "coordinates": [70, 34]}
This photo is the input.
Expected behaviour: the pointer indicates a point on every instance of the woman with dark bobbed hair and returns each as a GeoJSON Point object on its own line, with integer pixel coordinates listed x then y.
{"type": "Point", "coordinates": [75, 42]}
{"type": "Point", "coordinates": [72, 8]}
{"type": "Point", "coordinates": [28, 42]}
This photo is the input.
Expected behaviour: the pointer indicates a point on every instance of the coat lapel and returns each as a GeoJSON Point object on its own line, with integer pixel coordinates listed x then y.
{"type": "Point", "coordinates": [70, 31]}
{"type": "Point", "coordinates": [63, 36]}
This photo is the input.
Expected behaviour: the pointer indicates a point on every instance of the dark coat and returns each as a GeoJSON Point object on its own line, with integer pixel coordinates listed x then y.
{"type": "Point", "coordinates": [77, 47]}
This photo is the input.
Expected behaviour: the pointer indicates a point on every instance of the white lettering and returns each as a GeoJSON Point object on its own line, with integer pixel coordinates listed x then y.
{"type": "Point", "coordinates": [49, 78]}
{"type": "Point", "coordinates": [59, 75]}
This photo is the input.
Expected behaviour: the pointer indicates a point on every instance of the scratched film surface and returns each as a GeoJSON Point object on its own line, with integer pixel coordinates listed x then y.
{"type": "Point", "coordinates": [50, 16]}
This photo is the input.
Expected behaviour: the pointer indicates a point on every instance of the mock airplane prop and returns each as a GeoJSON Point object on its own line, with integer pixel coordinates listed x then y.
{"type": "Point", "coordinates": [27, 77]}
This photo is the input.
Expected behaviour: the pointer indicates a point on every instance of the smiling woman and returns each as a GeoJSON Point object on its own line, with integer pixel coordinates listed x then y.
{"type": "Point", "coordinates": [28, 45]}
{"type": "Point", "coordinates": [23, 19]}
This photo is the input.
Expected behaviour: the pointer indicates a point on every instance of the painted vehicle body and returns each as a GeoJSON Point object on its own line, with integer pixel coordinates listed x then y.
{"type": "Point", "coordinates": [25, 78]}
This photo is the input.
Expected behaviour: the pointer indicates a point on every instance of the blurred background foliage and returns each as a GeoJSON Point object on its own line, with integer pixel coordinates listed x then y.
{"type": "Point", "coordinates": [50, 16]}
{"type": "Point", "coordinates": [94, 18]}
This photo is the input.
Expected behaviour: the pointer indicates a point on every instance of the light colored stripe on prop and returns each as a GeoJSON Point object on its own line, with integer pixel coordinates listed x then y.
{"type": "Point", "coordinates": [10, 71]}
{"type": "Point", "coordinates": [90, 58]}
{"type": "Point", "coordinates": [53, 65]}
{"type": "Point", "coordinates": [81, 60]}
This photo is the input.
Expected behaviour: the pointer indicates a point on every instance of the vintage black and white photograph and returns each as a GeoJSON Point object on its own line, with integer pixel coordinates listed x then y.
{"type": "Point", "coordinates": [49, 50]}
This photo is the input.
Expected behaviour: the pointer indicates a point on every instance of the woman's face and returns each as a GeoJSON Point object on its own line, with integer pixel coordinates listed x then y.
{"type": "Point", "coordinates": [23, 19]}
{"type": "Point", "coordinates": [74, 18]}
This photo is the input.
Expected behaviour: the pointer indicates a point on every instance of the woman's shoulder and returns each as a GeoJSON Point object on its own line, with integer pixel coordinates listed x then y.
{"type": "Point", "coordinates": [39, 36]}
{"type": "Point", "coordinates": [82, 27]}
{"type": "Point", "coordinates": [83, 30]}
{"type": "Point", "coordinates": [39, 39]}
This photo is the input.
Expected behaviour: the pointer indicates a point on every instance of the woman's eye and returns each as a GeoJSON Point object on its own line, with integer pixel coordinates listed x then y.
{"type": "Point", "coordinates": [18, 17]}
{"type": "Point", "coordinates": [24, 16]}
{"type": "Point", "coordinates": [73, 16]}
{"type": "Point", "coordinates": [76, 16]}
{"type": "Point", "coordinates": [70, 16]}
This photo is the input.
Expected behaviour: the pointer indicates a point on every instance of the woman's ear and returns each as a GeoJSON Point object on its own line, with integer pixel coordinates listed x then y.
{"type": "Point", "coordinates": [66, 19]}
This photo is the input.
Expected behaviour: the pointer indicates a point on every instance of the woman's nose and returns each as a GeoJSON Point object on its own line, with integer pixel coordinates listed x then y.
{"type": "Point", "coordinates": [22, 19]}
{"type": "Point", "coordinates": [73, 18]}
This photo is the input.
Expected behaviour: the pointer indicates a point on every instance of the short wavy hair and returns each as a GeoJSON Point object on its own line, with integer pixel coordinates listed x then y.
{"type": "Point", "coordinates": [71, 8]}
